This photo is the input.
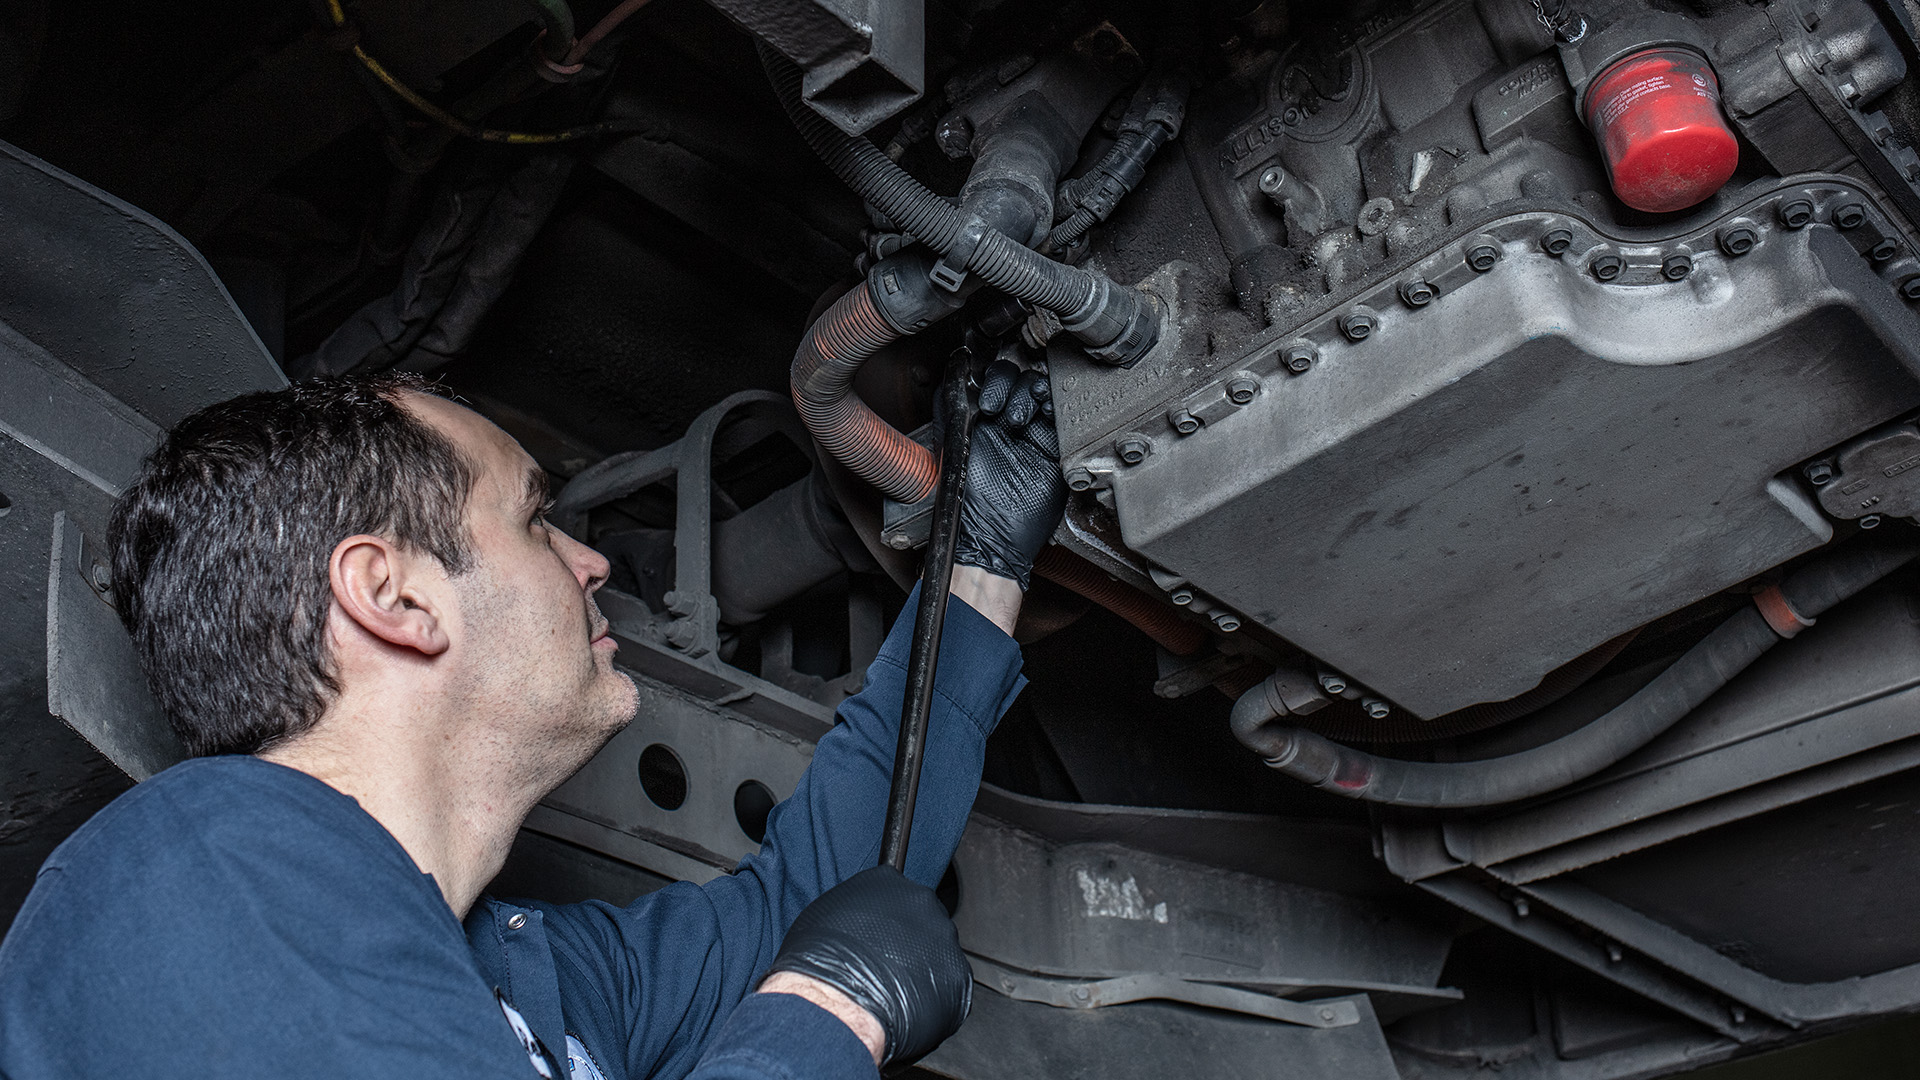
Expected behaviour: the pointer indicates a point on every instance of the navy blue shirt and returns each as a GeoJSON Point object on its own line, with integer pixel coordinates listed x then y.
{"type": "Point", "coordinates": [235, 918]}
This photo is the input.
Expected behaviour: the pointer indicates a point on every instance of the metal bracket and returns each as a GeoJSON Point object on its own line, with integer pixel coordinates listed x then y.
{"type": "Point", "coordinates": [1066, 992]}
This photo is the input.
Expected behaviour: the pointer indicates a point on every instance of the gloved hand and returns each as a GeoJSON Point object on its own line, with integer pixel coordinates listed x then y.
{"type": "Point", "coordinates": [886, 942]}
{"type": "Point", "coordinates": [1014, 494]}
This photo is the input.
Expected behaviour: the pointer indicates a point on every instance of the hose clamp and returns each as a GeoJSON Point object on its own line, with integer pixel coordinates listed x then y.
{"type": "Point", "coordinates": [1779, 613]}
{"type": "Point", "coordinates": [951, 271]}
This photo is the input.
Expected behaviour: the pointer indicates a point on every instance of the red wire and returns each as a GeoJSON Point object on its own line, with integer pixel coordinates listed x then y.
{"type": "Point", "coordinates": [601, 29]}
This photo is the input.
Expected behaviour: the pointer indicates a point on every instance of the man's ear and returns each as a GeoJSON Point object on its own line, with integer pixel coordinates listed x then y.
{"type": "Point", "coordinates": [383, 590]}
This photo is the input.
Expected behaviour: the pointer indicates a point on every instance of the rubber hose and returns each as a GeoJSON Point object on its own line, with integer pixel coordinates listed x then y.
{"type": "Point", "coordinates": [830, 354]}
{"type": "Point", "coordinates": [557, 20]}
{"type": "Point", "coordinates": [1675, 692]}
{"type": "Point", "coordinates": [1002, 262]}
{"type": "Point", "coordinates": [1151, 617]}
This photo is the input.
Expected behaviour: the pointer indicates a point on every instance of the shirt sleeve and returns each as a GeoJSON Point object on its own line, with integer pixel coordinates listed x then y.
{"type": "Point", "coordinates": [652, 982]}
{"type": "Point", "coordinates": [784, 1037]}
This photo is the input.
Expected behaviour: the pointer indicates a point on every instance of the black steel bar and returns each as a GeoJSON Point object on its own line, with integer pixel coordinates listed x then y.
{"type": "Point", "coordinates": [930, 618]}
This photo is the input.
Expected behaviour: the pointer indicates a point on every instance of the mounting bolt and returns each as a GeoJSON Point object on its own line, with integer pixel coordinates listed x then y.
{"type": "Point", "coordinates": [1884, 250]}
{"type": "Point", "coordinates": [1739, 1014]}
{"type": "Point", "coordinates": [1376, 708]}
{"type": "Point", "coordinates": [102, 580]}
{"type": "Point", "coordinates": [1482, 257]}
{"type": "Point", "coordinates": [1820, 472]}
{"type": "Point", "coordinates": [1606, 267]}
{"type": "Point", "coordinates": [1327, 1015]}
{"type": "Point", "coordinates": [1871, 521]}
{"type": "Point", "coordinates": [1737, 240]}
{"type": "Point", "coordinates": [898, 541]}
{"type": "Point", "coordinates": [1181, 595]}
{"type": "Point", "coordinates": [1357, 325]}
{"type": "Point", "coordinates": [1614, 955]}
{"type": "Point", "coordinates": [1849, 216]}
{"type": "Point", "coordinates": [1133, 449]}
{"type": "Point", "coordinates": [1240, 391]}
{"type": "Point", "coordinates": [1417, 292]}
{"type": "Point", "coordinates": [1676, 267]}
{"type": "Point", "coordinates": [1796, 214]}
{"type": "Point", "coordinates": [1183, 421]}
{"type": "Point", "coordinates": [1521, 907]}
{"type": "Point", "coordinates": [1227, 621]}
{"type": "Point", "coordinates": [1333, 682]}
{"type": "Point", "coordinates": [1272, 181]}
{"type": "Point", "coordinates": [1079, 479]}
{"type": "Point", "coordinates": [1300, 356]}
{"type": "Point", "coordinates": [1556, 242]}
{"type": "Point", "coordinates": [1081, 993]}
{"type": "Point", "coordinates": [1910, 288]}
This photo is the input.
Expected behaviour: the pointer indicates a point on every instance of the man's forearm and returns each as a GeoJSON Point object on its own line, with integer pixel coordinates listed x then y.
{"type": "Point", "coordinates": [998, 598]}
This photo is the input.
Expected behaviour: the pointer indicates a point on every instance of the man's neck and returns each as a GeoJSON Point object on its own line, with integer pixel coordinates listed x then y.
{"type": "Point", "coordinates": [455, 817]}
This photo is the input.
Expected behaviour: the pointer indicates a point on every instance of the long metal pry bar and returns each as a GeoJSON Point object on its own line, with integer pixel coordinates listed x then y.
{"type": "Point", "coordinates": [931, 617]}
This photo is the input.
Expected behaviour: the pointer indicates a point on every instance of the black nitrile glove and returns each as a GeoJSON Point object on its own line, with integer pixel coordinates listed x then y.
{"type": "Point", "coordinates": [1014, 493]}
{"type": "Point", "coordinates": [886, 942]}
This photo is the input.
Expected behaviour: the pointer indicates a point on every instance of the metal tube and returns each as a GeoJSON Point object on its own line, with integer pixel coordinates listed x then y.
{"type": "Point", "coordinates": [931, 617]}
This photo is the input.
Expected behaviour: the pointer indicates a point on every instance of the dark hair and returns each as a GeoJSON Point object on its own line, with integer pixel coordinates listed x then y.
{"type": "Point", "coordinates": [220, 549]}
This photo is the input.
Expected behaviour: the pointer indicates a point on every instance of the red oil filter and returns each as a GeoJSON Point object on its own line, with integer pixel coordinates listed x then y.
{"type": "Point", "coordinates": [1657, 115]}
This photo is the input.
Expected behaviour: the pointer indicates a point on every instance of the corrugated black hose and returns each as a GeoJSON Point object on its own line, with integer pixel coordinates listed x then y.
{"type": "Point", "coordinates": [1674, 693]}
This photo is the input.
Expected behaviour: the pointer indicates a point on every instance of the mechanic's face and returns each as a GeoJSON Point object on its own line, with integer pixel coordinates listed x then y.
{"type": "Point", "coordinates": [537, 653]}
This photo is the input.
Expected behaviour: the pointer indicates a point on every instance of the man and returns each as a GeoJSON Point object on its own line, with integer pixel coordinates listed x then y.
{"type": "Point", "coordinates": [382, 657]}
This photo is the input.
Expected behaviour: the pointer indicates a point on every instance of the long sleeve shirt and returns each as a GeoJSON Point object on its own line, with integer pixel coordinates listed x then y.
{"type": "Point", "coordinates": [235, 918]}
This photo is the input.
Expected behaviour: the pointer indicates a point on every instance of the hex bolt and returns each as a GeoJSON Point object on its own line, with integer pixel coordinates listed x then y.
{"type": "Point", "coordinates": [1079, 479]}
{"type": "Point", "coordinates": [1376, 708]}
{"type": "Point", "coordinates": [1556, 242]}
{"type": "Point", "coordinates": [1910, 288]}
{"type": "Point", "coordinates": [1133, 449]}
{"type": "Point", "coordinates": [1300, 356]}
{"type": "Point", "coordinates": [1181, 595]}
{"type": "Point", "coordinates": [898, 541]}
{"type": "Point", "coordinates": [1676, 267]}
{"type": "Point", "coordinates": [1327, 1015]}
{"type": "Point", "coordinates": [1333, 682]}
{"type": "Point", "coordinates": [1357, 325]}
{"type": "Point", "coordinates": [1871, 521]}
{"type": "Point", "coordinates": [1482, 257]}
{"type": "Point", "coordinates": [1183, 421]}
{"type": "Point", "coordinates": [1417, 292]}
{"type": "Point", "coordinates": [1737, 240]}
{"type": "Point", "coordinates": [1849, 216]}
{"type": "Point", "coordinates": [1820, 472]}
{"type": "Point", "coordinates": [101, 579]}
{"type": "Point", "coordinates": [1606, 267]}
{"type": "Point", "coordinates": [1240, 391]}
{"type": "Point", "coordinates": [1227, 621]}
{"type": "Point", "coordinates": [1796, 214]}
{"type": "Point", "coordinates": [1884, 250]}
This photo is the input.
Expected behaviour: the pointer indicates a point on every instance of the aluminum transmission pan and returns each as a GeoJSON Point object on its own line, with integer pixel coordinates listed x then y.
{"type": "Point", "coordinates": [1486, 486]}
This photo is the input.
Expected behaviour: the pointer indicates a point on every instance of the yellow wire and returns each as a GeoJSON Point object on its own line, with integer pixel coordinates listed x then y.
{"type": "Point", "coordinates": [442, 116]}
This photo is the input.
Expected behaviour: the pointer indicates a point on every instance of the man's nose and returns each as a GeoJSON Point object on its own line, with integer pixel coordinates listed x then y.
{"type": "Point", "coordinates": [589, 567]}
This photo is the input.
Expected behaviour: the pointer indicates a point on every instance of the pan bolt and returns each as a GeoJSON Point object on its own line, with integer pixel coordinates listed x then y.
{"type": "Point", "coordinates": [1820, 472]}
{"type": "Point", "coordinates": [1556, 242]}
{"type": "Point", "coordinates": [1849, 216]}
{"type": "Point", "coordinates": [1240, 391]}
{"type": "Point", "coordinates": [1884, 250]}
{"type": "Point", "coordinates": [1183, 421]}
{"type": "Point", "coordinates": [1376, 708]}
{"type": "Point", "coordinates": [1357, 325]}
{"type": "Point", "coordinates": [1796, 214]}
{"type": "Point", "coordinates": [1300, 356]}
{"type": "Point", "coordinates": [1606, 267]}
{"type": "Point", "coordinates": [1133, 449]}
{"type": "Point", "coordinates": [1181, 595]}
{"type": "Point", "coordinates": [1079, 479]}
{"type": "Point", "coordinates": [1333, 682]}
{"type": "Point", "coordinates": [1417, 293]}
{"type": "Point", "coordinates": [1227, 621]}
{"type": "Point", "coordinates": [1676, 267]}
{"type": "Point", "coordinates": [1482, 257]}
{"type": "Point", "coordinates": [1738, 240]}
{"type": "Point", "coordinates": [1910, 288]}
{"type": "Point", "coordinates": [1871, 521]}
